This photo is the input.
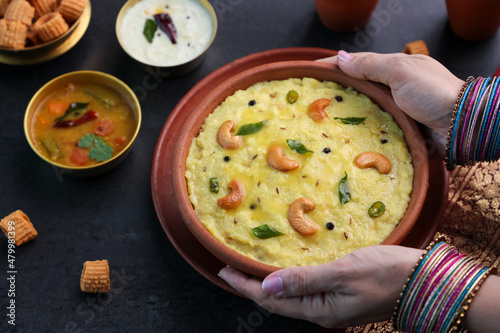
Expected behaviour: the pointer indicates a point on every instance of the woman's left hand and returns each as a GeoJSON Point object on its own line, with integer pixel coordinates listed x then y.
{"type": "Point", "coordinates": [357, 289]}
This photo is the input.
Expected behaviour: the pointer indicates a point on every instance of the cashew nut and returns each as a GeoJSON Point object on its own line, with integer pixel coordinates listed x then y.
{"type": "Point", "coordinates": [373, 160]}
{"type": "Point", "coordinates": [297, 219]}
{"type": "Point", "coordinates": [224, 137]}
{"type": "Point", "coordinates": [317, 109]}
{"type": "Point", "coordinates": [277, 160]}
{"type": "Point", "coordinates": [234, 198]}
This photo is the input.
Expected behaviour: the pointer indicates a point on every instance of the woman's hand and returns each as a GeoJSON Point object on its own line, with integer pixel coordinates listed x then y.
{"type": "Point", "coordinates": [422, 87]}
{"type": "Point", "coordinates": [357, 289]}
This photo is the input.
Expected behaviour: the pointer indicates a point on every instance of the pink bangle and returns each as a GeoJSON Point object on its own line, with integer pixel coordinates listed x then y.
{"type": "Point", "coordinates": [455, 112]}
{"type": "Point", "coordinates": [439, 290]}
{"type": "Point", "coordinates": [474, 133]}
{"type": "Point", "coordinates": [479, 105]}
{"type": "Point", "coordinates": [477, 84]}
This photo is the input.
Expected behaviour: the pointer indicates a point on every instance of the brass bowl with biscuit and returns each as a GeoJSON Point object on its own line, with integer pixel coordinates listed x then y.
{"type": "Point", "coordinates": [376, 92]}
{"type": "Point", "coordinates": [45, 51]}
{"type": "Point", "coordinates": [100, 82]}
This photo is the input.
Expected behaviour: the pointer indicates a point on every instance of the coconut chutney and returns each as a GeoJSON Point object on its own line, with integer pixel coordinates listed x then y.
{"type": "Point", "coordinates": [192, 22]}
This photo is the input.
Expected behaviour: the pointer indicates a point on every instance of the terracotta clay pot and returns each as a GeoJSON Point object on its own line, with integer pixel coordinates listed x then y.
{"type": "Point", "coordinates": [345, 15]}
{"type": "Point", "coordinates": [474, 20]}
{"type": "Point", "coordinates": [378, 93]}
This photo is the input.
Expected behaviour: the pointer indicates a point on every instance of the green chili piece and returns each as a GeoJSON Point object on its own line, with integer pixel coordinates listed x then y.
{"type": "Point", "coordinates": [150, 27]}
{"type": "Point", "coordinates": [344, 194]}
{"type": "Point", "coordinates": [265, 231]}
{"type": "Point", "coordinates": [252, 128]}
{"type": "Point", "coordinates": [214, 185]}
{"type": "Point", "coordinates": [298, 147]}
{"type": "Point", "coordinates": [292, 96]}
{"type": "Point", "coordinates": [351, 120]}
{"type": "Point", "coordinates": [376, 209]}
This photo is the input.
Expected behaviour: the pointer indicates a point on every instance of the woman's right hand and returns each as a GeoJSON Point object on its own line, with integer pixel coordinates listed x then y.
{"type": "Point", "coordinates": [422, 87]}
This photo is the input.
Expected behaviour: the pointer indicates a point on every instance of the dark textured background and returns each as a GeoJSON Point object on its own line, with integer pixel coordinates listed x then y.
{"type": "Point", "coordinates": [113, 217]}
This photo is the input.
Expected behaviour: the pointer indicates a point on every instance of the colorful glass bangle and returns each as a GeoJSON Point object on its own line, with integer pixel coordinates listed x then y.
{"type": "Point", "coordinates": [439, 290]}
{"type": "Point", "coordinates": [492, 123]}
{"type": "Point", "coordinates": [424, 292]}
{"type": "Point", "coordinates": [395, 318]}
{"type": "Point", "coordinates": [460, 122]}
{"type": "Point", "coordinates": [487, 120]}
{"type": "Point", "coordinates": [465, 123]}
{"type": "Point", "coordinates": [449, 312]}
{"type": "Point", "coordinates": [457, 106]}
{"type": "Point", "coordinates": [408, 296]}
{"type": "Point", "coordinates": [438, 297]}
{"type": "Point", "coordinates": [494, 151]}
{"type": "Point", "coordinates": [448, 294]}
{"type": "Point", "coordinates": [476, 111]}
{"type": "Point", "coordinates": [474, 133]}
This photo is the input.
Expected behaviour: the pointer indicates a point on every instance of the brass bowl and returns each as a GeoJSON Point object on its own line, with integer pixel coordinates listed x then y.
{"type": "Point", "coordinates": [84, 77]}
{"type": "Point", "coordinates": [378, 93]}
{"type": "Point", "coordinates": [182, 68]}
{"type": "Point", "coordinates": [51, 49]}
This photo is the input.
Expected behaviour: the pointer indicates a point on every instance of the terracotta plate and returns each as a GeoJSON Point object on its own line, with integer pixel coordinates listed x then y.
{"type": "Point", "coordinates": [161, 183]}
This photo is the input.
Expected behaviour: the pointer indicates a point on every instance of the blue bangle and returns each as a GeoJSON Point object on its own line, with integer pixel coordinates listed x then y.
{"type": "Point", "coordinates": [408, 287]}
{"type": "Point", "coordinates": [471, 126]}
{"type": "Point", "coordinates": [493, 148]}
{"type": "Point", "coordinates": [465, 292]}
{"type": "Point", "coordinates": [486, 122]}
{"type": "Point", "coordinates": [437, 293]}
{"type": "Point", "coordinates": [455, 125]}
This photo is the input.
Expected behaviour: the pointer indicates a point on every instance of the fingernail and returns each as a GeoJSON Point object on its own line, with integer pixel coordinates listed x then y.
{"type": "Point", "coordinates": [344, 56]}
{"type": "Point", "coordinates": [272, 285]}
{"type": "Point", "coordinates": [222, 273]}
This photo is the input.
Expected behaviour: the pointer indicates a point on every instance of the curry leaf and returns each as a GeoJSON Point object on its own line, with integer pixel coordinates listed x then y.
{"type": "Point", "coordinates": [298, 147]}
{"type": "Point", "coordinates": [149, 30]}
{"type": "Point", "coordinates": [73, 107]}
{"type": "Point", "coordinates": [344, 194]}
{"type": "Point", "coordinates": [252, 128]}
{"type": "Point", "coordinates": [265, 231]}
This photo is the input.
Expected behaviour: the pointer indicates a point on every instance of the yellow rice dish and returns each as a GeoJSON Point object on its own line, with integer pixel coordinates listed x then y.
{"type": "Point", "coordinates": [324, 152]}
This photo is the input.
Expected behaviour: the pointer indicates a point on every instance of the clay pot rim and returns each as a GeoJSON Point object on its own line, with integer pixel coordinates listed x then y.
{"type": "Point", "coordinates": [377, 92]}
